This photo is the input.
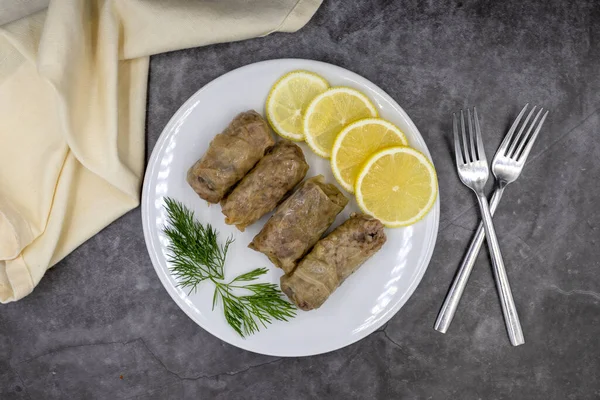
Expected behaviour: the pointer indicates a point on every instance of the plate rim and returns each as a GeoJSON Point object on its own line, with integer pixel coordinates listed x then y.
{"type": "Point", "coordinates": [152, 251]}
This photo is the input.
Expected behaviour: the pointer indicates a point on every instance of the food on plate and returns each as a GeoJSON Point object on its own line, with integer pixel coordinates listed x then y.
{"type": "Point", "coordinates": [299, 222]}
{"type": "Point", "coordinates": [332, 260]}
{"type": "Point", "coordinates": [230, 155]}
{"type": "Point", "coordinates": [397, 185]}
{"type": "Point", "coordinates": [197, 258]}
{"type": "Point", "coordinates": [328, 113]}
{"type": "Point", "coordinates": [356, 142]}
{"type": "Point", "coordinates": [259, 192]}
{"type": "Point", "coordinates": [288, 100]}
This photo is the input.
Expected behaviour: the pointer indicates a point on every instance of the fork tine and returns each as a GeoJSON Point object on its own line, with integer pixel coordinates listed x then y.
{"type": "Point", "coordinates": [527, 149]}
{"type": "Point", "coordinates": [480, 149]}
{"type": "Point", "coordinates": [526, 135]}
{"type": "Point", "coordinates": [472, 144]}
{"type": "Point", "coordinates": [514, 143]}
{"type": "Point", "coordinates": [464, 138]}
{"type": "Point", "coordinates": [457, 150]}
{"type": "Point", "coordinates": [511, 131]}
{"type": "Point", "coordinates": [472, 137]}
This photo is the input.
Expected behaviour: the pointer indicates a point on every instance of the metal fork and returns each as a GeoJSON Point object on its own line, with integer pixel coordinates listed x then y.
{"type": "Point", "coordinates": [473, 171]}
{"type": "Point", "coordinates": [506, 166]}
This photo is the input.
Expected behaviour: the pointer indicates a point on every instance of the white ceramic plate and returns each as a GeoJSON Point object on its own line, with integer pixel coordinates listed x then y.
{"type": "Point", "coordinates": [363, 303]}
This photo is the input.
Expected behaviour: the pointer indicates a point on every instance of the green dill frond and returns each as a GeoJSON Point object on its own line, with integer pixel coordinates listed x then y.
{"type": "Point", "coordinates": [196, 256]}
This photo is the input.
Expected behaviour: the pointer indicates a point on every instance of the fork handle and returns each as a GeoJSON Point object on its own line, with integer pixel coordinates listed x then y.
{"type": "Point", "coordinates": [455, 293]}
{"type": "Point", "coordinates": [511, 318]}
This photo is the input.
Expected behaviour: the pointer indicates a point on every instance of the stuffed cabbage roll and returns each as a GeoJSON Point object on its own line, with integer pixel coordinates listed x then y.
{"type": "Point", "coordinates": [230, 156]}
{"type": "Point", "coordinates": [299, 222]}
{"type": "Point", "coordinates": [332, 260]}
{"type": "Point", "coordinates": [259, 192]}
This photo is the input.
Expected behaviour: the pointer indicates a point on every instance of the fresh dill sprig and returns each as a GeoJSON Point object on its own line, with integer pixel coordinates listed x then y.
{"type": "Point", "coordinates": [196, 256]}
{"type": "Point", "coordinates": [195, 253]}
{"type": "Point", "coordinates": [262, 303]}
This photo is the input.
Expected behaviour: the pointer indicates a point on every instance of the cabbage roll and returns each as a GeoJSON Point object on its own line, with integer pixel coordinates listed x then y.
{"type": "Point", "coordinates": [299, 222]}
{"type": "Point", "coordinates": [230, 156]}
{"type": "Point", "coordinates": [259, 192]}
{"type": "Point", "coordinates": [332, 260]}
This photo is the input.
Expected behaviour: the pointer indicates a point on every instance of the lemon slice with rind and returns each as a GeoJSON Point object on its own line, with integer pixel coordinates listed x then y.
{"type": "Point", "coordinates": [397, 185]}
{"type": "Point", "coordinates": [356, 142]}
{"type": "Point", "coordinates": [330, 112]}
{"type": "Point", "coordinates": [288, 100]}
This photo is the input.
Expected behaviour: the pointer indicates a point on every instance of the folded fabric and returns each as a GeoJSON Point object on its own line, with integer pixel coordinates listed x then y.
{"type": "Point", "coordinates": [72, 107]}
{"type": "Point", "coordinates": [17, 9]}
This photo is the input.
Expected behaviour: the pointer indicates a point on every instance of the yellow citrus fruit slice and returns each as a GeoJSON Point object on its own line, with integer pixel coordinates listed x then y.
{"type": "Point", "coordinates": [356, 142]}
{"type": "Point", "coordinates": [330, 112]}
{"type": "Point", "coordinates": [397, 185]}
{"type": "Point", "coordinates": [288, 100]}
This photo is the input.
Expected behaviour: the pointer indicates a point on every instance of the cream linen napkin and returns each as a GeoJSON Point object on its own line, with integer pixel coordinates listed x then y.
{"type": "Point", "coordinates": [72, 107]}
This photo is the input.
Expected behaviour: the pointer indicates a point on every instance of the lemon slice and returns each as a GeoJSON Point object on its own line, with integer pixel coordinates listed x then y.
{"type": "Point", "coordinates": [356, 142]}
{"type": "Point", "coordinates": [330, 112]}
{"type": "Point", "coordinates": [288, 100]}
{"type": "Point", "coordinates": [397, 185]}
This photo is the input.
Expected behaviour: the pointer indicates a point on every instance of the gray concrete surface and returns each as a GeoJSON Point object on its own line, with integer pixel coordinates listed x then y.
{"type": "Point", "coordinates": [100, 325]}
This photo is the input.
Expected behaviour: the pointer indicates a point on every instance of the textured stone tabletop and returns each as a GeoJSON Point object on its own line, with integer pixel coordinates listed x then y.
{"type": "Point", "coordinates": [100, 324]}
